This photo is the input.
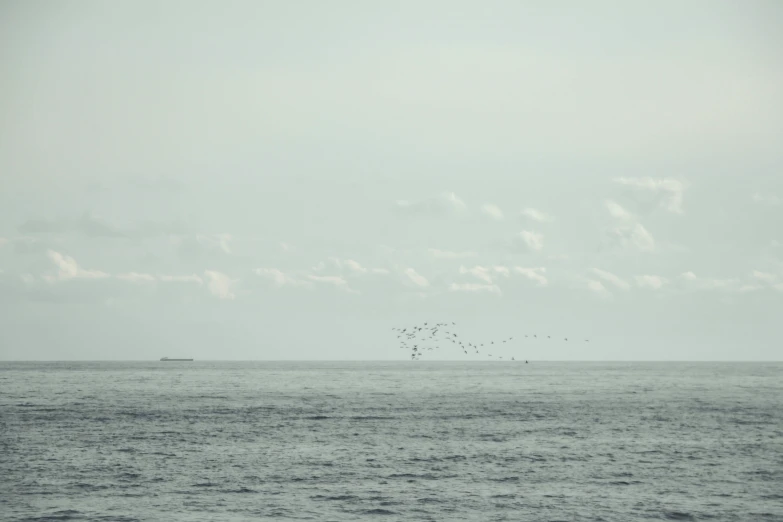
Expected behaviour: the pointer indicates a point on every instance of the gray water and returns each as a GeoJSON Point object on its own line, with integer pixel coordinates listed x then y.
{"type": "Point", "coordinates": [391, 441]}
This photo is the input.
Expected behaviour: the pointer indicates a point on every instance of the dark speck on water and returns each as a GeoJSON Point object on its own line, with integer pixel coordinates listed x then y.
{"type": "Point", "coordinates": [393, 441]}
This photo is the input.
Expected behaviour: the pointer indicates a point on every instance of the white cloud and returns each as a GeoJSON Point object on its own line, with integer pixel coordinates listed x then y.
{"type": "Point", "coordinates": [135, 277]}
{"type": "Point", "coordinates": [202, 244]}
{"type": "Point", "coordinates": [532, 241]}
{"type": "Point", "coordinates": [452, 200]}
{"type": "Point", "coordinates": [355, 267]}
{"type": "Point", "coordinates": [492, 211]}
{"type": "Point", "coordinates": [642, 239]}
{"type": "Point", "coordinates": [479, 272]}
{"type": "Point", "coordinates": [332, 280]}
{"type": "Point", "coordinates": [280, 278]}
{"type": "Point", "coordinates": [534, 274]}
{"type": "Point", "coordinates": [416, 278]}
{"type": "Point", "coordinates": [703, 283]}
{"type": "Point", "coordinates": [69, 269]}
{"type": "Point", "coordinates": [765, 276]}
{"type": "Point", "coordinates": [652, 282]}
{"type": "Point", "coordinates": [474, 287]}
{"type": "Point", "coordinates": [3, 241]}
{"type": "Point", "coordinates": [193, 278]}
{"type": "Point", "coordinates": [444, 254]}
{"type": "Point", "coordinates": [220, 241]}
{"type": "Point", "coordinates": [769, 199]}
{"type": "Point", "coordinates": [636, 237]}
{"type": "Point", "coordinates": [671, 189]}
{"type": "Point", "coordinates": [336, 281]}
{"type": "Point", "coordinates": [485, 273]}
{"type": "Point", "coordinates": [536, 215]}
{"type": "Point", "coordinates": [598, 288]}
{"type": "Point", "coordinates": [27, 278]}
{"type": "Point", "coordinates": [631, 233]}
{"type": "Point", "coordinates": [336, 262]}
{"type": "Point", "coordinates": [502, 270]}
{"type": "Point", "coordinates": [778, 287]}
{"type": "Point", "coordinates": [722, 284]}
{"type": "Point", "coordinates": [611, 278]}
{"type": "Point", "coordinates": [617, 211]}
{"type": "Point", "coordinates": [97, 227]}
{"type": "Point", "coordinates": [220, 284]}
{"type": "Point", "coordinates": [445, 203]}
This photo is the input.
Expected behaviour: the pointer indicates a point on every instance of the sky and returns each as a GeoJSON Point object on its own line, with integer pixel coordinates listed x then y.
{"type": "Point", "coordinates": [290, 180]}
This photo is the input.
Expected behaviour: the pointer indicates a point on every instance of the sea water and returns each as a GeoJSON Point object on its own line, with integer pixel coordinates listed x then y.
{"type": "Point", "coordinates": [411, 440]}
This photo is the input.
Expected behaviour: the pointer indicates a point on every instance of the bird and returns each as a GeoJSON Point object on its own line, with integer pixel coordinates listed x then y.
{"type": "Point", "coordinates": [433, 335]}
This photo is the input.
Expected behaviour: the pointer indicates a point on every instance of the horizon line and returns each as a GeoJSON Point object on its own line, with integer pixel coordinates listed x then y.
{"type": "Point", "coordinates": [407, 360]}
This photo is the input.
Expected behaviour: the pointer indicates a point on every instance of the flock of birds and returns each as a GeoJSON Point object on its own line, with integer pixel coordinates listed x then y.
{"type": "Point", "coordinates": [428, 337]}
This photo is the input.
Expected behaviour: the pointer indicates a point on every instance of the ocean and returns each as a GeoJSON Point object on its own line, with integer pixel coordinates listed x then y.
{"type": "Point", "coordinates": [411, 440]}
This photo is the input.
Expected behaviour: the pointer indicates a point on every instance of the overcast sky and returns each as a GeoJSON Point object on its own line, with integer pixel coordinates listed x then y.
{"type": "Point", "coordinates": [290, 180]}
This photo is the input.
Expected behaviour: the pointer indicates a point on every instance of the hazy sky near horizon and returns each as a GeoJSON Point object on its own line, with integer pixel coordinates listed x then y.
{"type": "Point", "coordinates": [290, 180]}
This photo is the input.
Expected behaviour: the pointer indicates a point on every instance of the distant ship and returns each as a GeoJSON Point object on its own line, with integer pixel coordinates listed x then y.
{"type": "Point", "coordinates": [167, 359]}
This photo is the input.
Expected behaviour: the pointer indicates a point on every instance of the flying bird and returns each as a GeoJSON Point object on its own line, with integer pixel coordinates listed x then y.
{"type": "Point", "coordinates": [433, 336]}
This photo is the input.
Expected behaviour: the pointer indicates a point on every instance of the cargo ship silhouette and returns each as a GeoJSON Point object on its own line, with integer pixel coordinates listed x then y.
{"type": "Point", "coordinates": [167, 359]}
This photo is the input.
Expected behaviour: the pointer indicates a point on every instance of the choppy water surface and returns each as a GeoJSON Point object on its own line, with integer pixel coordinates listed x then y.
{"type": "Point", "coordinates": [394, 441]}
